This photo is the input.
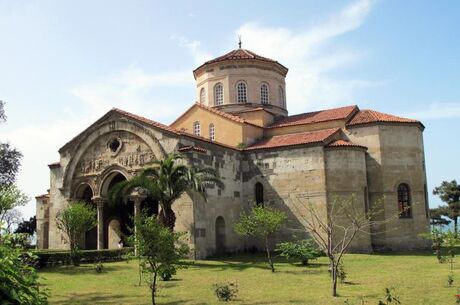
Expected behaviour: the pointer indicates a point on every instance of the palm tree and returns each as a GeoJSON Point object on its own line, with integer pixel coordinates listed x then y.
{"type": "Point", "coordinates": [166, 182]}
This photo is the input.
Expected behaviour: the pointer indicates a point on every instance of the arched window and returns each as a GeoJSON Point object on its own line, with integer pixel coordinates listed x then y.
{"type": "Point", "coordinates": [218, 94]}
{"type": "Point", "coordinates": [212, 132]}
{"type": "Point", "coordinates": [196, 128]}
{"type": "Point", "coordinates": [404, 204]}
{"type": "Point", "coordinates": [202, 96]}
{"type": "Point", "coordinates": [242, 96]}
{"type": "Point", "coordinates": [259, 193]}
{"type": "Point", "coordinates": [281, 97]}
{"type": "Point", "coordinates": [264, 94]}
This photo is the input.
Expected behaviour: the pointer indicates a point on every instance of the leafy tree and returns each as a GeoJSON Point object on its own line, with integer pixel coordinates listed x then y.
{"type": "Point", "coordinates": [436, 237]}
{"type": "Point", "coordinates": [167, 182]}
{"type": "Point", "coordinates": [11, 218]}
{"type": "Point", "coordinates": [27, 226]}
{"type": "Point", "coordinates": [10, 198]}
{"type": "Point", "coordinates": [303, 250]}
{"type": "Point", "coordinates": [10, 158]}
{"type": "Point", "coordinates": [160, 249]}
{"type": "Point", "coordinates": [437, 216]}
{"type": "Point", "coordinates": [18, 280]}
{"type": "Point", "coordinates": [261, 222]}
{"type": "Point", "coordinates": [450, 242]}
{"type": "Point", "coordinates": [449, 192]}
{"type": "Point", "coordinates": [74, 220]}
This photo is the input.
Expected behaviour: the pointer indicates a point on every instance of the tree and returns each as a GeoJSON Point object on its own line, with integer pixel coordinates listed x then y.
{"type": "Point", "coordinates": [27, 226]}
{"type": "Point", "coordinates": [261, 222]}
{"type": "Point", "coordinates": [449, 192]}
{"type": "Point", "coordinates": [334, 229]}
{"type": "Point", "coordinates": [10, 198]}
{"type": "Point", "coordinates": [11, 218]}
{"type": "Point", "coordinates": [18, 280]}
{"type": "Point", "coordinates": [74, 220]}
{"type": "Point", "coordinates": [160, 249]}
{"type": "Point", "coordinates": [437, 216]}
{"type": "Point", "coordinates": [436, 236]}
{"type": "Point", "coordinates": [167, 182]}
{"type": "Point", "coordinates": [303, 250]}
{"type": "Point", "coordinates": [10, 158]}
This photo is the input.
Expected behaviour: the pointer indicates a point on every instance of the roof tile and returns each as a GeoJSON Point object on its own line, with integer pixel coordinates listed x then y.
{"type": "Point", "coordinates": [295, 139]}
{"type": "Point", "coordinates": [345, 143]}
{"type": "Point", "coordinates": [371, 116]}
{"type": "Point", "coordinates": [316, 116]}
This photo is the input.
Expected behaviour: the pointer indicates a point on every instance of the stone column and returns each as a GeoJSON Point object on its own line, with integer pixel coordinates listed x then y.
{"type": "Point", "coordinates": [137, 198]}
{"type": "Point", "coordinates": [100, 202]}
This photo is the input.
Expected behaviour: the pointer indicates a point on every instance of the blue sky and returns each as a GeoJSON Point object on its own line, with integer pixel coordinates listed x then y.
{"type": "Point", "coordinates": [63, 64]}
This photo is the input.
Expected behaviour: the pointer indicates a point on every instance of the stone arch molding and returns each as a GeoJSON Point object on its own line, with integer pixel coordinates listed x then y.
{"type": "Point", "coordinates": [90, 137]}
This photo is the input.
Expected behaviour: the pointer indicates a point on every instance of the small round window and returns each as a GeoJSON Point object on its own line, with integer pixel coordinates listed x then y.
{"type": "Point", "coordinates": [114, 145]}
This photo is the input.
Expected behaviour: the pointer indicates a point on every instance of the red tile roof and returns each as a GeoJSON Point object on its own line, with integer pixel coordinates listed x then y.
{"type": "Point", "coordinates": [240, 54]}
{"type": "Point", "coordinates": [345, 143]}
{"type": "Point", "coordinates": [319, 137]}
{"type": "Point", "coordinates": [192, 148]}
{"type": "Point", "coordinates": [218, 112]}
{"type": "Point", "coordinates": [145, 120]}
{"type": "Point", "coordinates": [42, 196]}
{"type": "Point", "coordinates": [372, 116]}
{"type": "Point", "coordinates": [341, 113]}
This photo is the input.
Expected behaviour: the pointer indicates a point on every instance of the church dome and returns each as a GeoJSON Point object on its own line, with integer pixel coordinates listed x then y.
{"type": "Point", "coordinates": [242, 80]}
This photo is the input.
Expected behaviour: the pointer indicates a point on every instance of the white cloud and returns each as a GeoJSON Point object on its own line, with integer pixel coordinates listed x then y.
{"type": "Point", "coordinates": [436, 111]}
{"type": "Point", "coordinates": [310, 55]}
{"type": "Point", "coordinates": [199, 56]}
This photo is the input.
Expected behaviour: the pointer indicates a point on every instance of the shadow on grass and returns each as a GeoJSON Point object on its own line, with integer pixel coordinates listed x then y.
{"type": "Point", "coordinates": [105, 298]}
{"type": "Point", "coordinates": [82, 269]}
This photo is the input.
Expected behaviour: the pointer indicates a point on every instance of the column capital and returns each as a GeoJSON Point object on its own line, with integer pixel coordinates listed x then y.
{"type": "Point", "coordinates": [99, 201]}
{"type": "Point", "coordinates": [137, 196]}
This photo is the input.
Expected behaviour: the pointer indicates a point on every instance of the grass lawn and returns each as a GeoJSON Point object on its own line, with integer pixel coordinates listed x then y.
{"type": "Point", "coordinates": [417, 278]}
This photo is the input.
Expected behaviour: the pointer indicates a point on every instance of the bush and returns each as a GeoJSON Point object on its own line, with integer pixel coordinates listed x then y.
{"type": "Point", "coordinates": [225, 291]}
{"type": "Point", "coordinates": [99, 267]}
{"type": "Point", "coordinates": [166, 272]}
{"type": "Point", "coordinates": [18, 280]}
{"type": "Point", "coordinates": [303, 251]}
{"type": "Point", "coordinates": [47, 258]}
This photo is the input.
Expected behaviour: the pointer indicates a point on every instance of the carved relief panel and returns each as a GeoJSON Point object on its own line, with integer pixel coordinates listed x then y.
{"type": "Point", "coordinates": [116, 148]}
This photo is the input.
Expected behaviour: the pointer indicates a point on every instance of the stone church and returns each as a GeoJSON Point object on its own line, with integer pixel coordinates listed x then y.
{"type": "Point", "coordinates": [240, 126]}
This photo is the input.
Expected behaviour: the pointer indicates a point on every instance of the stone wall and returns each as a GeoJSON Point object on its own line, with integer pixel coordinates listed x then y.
{"type": "Point", "coordinates": [395, 156]}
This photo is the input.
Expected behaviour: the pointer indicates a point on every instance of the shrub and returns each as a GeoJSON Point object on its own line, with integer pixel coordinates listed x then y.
{"type": "Point", "coordinates": [47, 258]}
{"type": "Point", "coordinates": [450, 280]}
{"type": "Point", "coordinates": [18, 280]}
{"type": "Point", "coordinates": [166, 272]}
{"type": "Point", "coordinates": [390, 297]}
{"type": "Point", "coordinates": [225, 291]}
{"type": "Point", "coordinates": [99, 267]}
{"type": "Point", "coordinates": [303, 251]}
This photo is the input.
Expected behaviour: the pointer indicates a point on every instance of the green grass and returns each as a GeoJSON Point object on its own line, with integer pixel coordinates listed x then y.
{"type": "Point", "coordinates": [417, 278]}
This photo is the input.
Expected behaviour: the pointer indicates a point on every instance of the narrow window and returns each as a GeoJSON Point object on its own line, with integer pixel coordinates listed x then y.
{"type": "Point", "coordinates": [404, 201]}
{"type": "Point", "coordinates": [202, 96]}
{"type": "Point", "coordinates": [264, 94]}
{"type": "Point", "coordinates": [281, 97]}
{"type": "Point", "coordinates": [196, 128]}
{"type": "Point", "coordinates": [218, 94]}
{"type": "Point", "coordinates": [259, 193]}
{"type": "Point", "coordinates": [241, 89]}
{"type": "Point", "coordinates": [212, 132]}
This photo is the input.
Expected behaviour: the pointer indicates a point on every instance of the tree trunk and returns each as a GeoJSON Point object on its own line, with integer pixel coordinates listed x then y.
{"type": "Point", "coordinates": [334, 279]}
{"type": "Point", "coordinates": [272, 267]}
{"type": "Point", "coordinates": [153, 287]}
{"type": "Point", "coordinates": [167, 218]}
{"type": "Point", "coordinates": [456, 225]}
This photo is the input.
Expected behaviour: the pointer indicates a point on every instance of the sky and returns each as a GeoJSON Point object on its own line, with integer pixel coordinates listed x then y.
{"type": "Point", "coordinates": [63, 64]}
